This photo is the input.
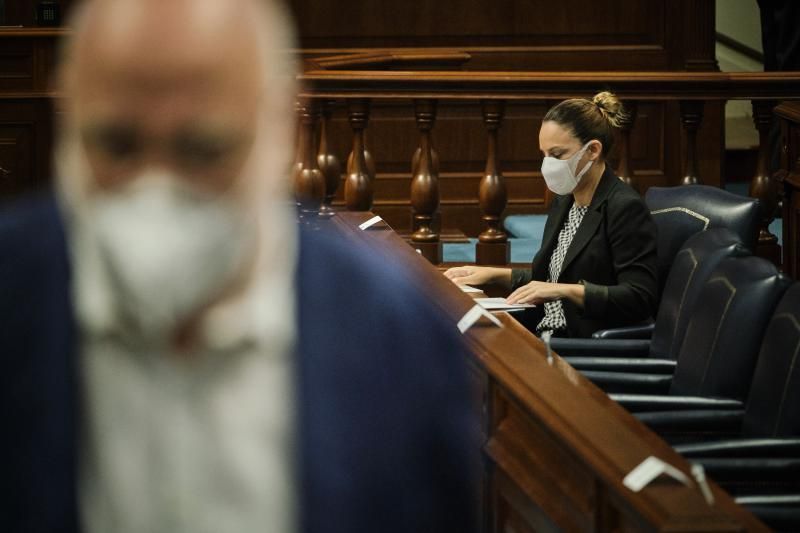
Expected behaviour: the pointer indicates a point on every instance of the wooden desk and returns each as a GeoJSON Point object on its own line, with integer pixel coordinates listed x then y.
{"type": "Point", "coordinates": [556, 448]}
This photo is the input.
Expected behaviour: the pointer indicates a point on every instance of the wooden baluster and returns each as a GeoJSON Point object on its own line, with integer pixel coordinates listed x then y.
{"type": "Point", "coordinates": [309, 183]}
{"type": "Point", "coordinates": [328, 163]}
{"type": "Point", "coordinates": [358, 185]}
{"type": "Point", "coordinates": [691, 117]}
{"type": "Point", "coordinates": [425, 186]}
{"type": "Point", "coordinates": [763, 186]}
{"type": "Point", "coordinates": [435, 169]}
{"type": "Point", "coordinates": [299, 151]}
{"type": "Point", "coordinates": [625, 171]}
{"type": "Point", "coordinates": [492, 247]}
{"type": "Point", "coordinates": [418, 154]}
{"type": "Point", "coordinates": [367, 157]}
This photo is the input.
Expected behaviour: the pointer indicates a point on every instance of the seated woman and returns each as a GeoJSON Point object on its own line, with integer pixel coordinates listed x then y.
{"type": "Point", "coordinates": [597, 265]}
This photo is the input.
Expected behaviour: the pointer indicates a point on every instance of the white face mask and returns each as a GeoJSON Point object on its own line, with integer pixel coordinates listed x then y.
{"type": "Point", "coordinates": [559, 174]}
{"type": "Point", "coordinates": [167, 249]}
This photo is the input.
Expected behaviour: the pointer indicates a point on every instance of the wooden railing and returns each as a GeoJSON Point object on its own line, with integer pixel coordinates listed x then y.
{"type": "Point", "coordinates": [554, 447]}
{"type": "Point", "coordinates": [423, 89]}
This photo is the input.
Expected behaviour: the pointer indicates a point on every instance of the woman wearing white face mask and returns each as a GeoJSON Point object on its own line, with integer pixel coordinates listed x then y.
{"type": "Point", "coordinates": [597, 264]}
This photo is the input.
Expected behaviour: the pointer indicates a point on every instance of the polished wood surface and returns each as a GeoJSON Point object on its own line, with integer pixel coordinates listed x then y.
{"type": "Point", "coordinates": [528, 85]}
{"type": "Point", "coordinates": [555, 447]}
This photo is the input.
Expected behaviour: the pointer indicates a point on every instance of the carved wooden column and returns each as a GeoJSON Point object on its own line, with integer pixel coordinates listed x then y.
{"type": "Point", "coordinates": [763, 186]}
{"type": "Point", "coordinates": [297, 165]}
{"type": "Point", "coordinates": [367, 157]}
{"type": "Point", "coordinates": [358, 187]}
{"type": "Point", "coordinates": [434, 159]}
{"type": "Point", "coordinates": [691, 118]}
{"type": "Point", "coordinates": [328, 163]}
{"type": "Point", "coordinates": [625, 170]}
{"type": "Point", "coordinates": [309, 184]}
{"type": "Point", "coordinates": [492, 247]}
{"type": "Point", "coordinates": [425, 186]}
{"type": "Point", "coordinates": [436, 223]}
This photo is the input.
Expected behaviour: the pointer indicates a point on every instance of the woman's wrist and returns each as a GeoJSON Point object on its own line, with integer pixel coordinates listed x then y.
{"type": "Point", "coordinates": [501, 276]}
{"type": "Point", "coordinates": [574, 292]}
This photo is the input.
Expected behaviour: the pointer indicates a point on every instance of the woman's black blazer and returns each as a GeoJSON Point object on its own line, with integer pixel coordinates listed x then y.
{"type": "Point", "coordinates": [613, 254]}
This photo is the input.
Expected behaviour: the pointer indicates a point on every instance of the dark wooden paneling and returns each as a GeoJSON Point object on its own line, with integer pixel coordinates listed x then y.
{"type": "Point", "coordinates": [17, 65]}
{"type": "Point", "coordinates": [578, 35]}
{"type": "Point", "coordinates": [506, 34]}
{"type": "Point", "coordinates": [25, 133]}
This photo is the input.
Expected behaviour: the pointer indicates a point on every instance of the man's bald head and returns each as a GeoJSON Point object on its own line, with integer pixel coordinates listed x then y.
{"type": "Point", "coordinates": [173, 154]}
{"type": "Point", "coordinates": [180, 85]}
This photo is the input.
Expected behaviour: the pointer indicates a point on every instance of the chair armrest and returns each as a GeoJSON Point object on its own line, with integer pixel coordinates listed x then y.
{"type": "Point", "coordinates": [741, 447]}
{"type": "Point", "coordinates": [600, 347]}
{"type": "Point", "coordinates": [640, 331]}
{"type": "Point", "coordinates": [621, 382]}
{"type": "Point", "coordinates": [697, 423]}
{"type": "Point", "coordinates": [760, 473]}
{"type": "Point", "coordinates": [781, 512]}
{"type": "Point", "coordinates": [623, 364]}
{"type": "Point", "coordinates": [652, 402]}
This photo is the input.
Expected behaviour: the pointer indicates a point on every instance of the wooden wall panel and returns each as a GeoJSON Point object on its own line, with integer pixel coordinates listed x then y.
{"type": "Point", "coordinates": [17, 65]}
{"type": "Point", "coordinates": [575, 35]}
{"type": "Point", "coordinates": [25, 131]}
{"type": "Point", "coordinates": [504, 34]}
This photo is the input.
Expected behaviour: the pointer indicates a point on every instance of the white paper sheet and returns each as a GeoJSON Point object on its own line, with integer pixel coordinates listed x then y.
{"type": "Point", "coordinates": [499, 304]}
{"type": "Point", "coordinates": [467, 288]}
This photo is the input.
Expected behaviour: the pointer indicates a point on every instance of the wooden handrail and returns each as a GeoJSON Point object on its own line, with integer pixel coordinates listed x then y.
{"type": "Point", "coordinates": [388, 59]}
{"type": "Point", "coordinates": [690, 89]}
{"type": "Point", "coordinates": [457, 85]}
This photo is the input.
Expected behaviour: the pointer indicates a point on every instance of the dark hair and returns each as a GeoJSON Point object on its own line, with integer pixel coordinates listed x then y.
{"type": "Point", "coordinates": [590, 119]}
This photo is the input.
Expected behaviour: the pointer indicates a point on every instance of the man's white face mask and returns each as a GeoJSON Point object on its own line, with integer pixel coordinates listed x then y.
{"type": "Point", "coordinates": [165, 250]}
{"type": "Point", "coordinates": [168, 250]}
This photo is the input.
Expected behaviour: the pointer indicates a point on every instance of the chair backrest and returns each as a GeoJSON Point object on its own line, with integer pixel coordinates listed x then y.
{"type": "Point", "coordinates": [680, 212]}
{"type": "Point", "coordinates": [692, 266]}
{"type": "Point", "coordinates": [724, 334]}
{"type": "Point", "coordinates": [773, 405]}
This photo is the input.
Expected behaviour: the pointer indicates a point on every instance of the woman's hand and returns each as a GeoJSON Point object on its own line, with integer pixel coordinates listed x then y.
{"type": "Point", "coordinates": [477, 275]}
{"type": "Point", "coordinates": [538, 292]}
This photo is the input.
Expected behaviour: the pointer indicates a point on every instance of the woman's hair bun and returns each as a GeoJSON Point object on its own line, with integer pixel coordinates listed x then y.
{"type": "Point", "coordinates": [610, 107]}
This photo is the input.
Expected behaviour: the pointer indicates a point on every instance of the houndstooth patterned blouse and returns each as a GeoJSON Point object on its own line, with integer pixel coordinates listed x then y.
{"type": "Point", "coordinates": [554, 311]}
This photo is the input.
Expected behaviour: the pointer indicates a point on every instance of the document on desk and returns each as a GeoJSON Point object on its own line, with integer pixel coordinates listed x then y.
{"type": "Point", "coordinates": [499, 304]}
{"type": "Point", "coordinates": [467, 288]}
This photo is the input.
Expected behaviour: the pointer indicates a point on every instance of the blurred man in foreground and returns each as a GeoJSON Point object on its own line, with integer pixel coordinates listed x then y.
{"type": "Point", "coordinates": [178, 356]}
